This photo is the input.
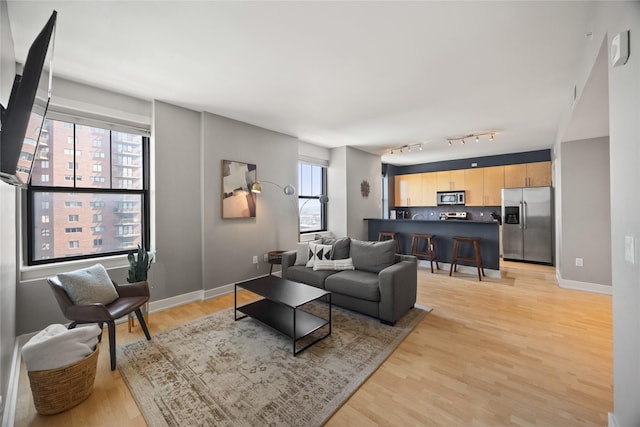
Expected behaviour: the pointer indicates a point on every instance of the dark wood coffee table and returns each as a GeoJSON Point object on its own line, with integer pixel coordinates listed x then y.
{"type": "Point", "coordinates": [280, 307]}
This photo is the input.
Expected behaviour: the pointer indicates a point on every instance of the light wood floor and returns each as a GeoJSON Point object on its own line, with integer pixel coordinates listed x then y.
{"type": "Point", "coordinates": [514, 351]}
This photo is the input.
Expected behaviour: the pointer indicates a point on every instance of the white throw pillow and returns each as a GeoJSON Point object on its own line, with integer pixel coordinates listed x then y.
{"type": "Point", "coordinates": [335, 264]}
{"type": "Point", "coordinates": [318, 252]}
{"type": "Point", "coordinates": [89, 285]}
{"type": "Point", "coordinates": [302, 257]}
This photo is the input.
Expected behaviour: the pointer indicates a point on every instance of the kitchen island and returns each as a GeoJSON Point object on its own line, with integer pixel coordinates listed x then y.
{"type": "Point", "coordinates": [444, 231]}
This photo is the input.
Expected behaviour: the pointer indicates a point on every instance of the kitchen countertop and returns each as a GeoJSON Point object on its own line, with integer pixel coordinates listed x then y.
{"type": "Point", "coordinates": [444, 231]}
{"type": "Point", "coordinates": [457, 221]}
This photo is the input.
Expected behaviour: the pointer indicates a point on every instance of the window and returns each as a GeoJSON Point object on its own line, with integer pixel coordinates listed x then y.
{"type": "Point", "coordinates": [312, 183]}
{"type": "Point", "coordinates": [45, 204]}
{"type": "Point", "coordinates": [44, 177]}
{"type": "Point", "coordinates": [45, 232]}
{"type": "Point", "coordinates": [106, 213]}
{"type": "Point", "coordinates": [44, 164]}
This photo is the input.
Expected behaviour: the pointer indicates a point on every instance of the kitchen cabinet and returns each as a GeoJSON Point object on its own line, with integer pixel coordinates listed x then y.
{"type": "Point", "coordinates": [493, 185]}
{"type": "Point", "coordinates": [429, 188]}
{"type": "Point", "coordinates": [474, 187]}
{"type": "Point", "coordinates": [536, 174]}
{"type": "Point", "coordinates": [408, 190]}
{"type": "Point", "coordinates": [450, 180]}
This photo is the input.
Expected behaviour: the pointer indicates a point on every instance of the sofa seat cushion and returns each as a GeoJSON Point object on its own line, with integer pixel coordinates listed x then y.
{"type": "Point", "coordinates": [355, 283]}
{"type": "Point", "coordinates": [306, 275]}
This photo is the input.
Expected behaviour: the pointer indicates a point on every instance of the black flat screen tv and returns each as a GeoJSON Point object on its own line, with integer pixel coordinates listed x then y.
{"type": "Point", "coordinates": [23, 119]}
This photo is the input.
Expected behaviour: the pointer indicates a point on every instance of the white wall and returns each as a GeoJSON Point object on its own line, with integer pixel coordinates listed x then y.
{"type": "Point", "coordinates": [608, 19]}
{"type": "Point", "coordinates": [348, 168]}
{"type": "Point", "coordinates": [178, 204]}
{"type": "Point", "coordinates": [624, 125]}
{"type": "Point", "coordinates": [7, 220]}
{"type": "Point", "coordinates": [586, 219]}
{"type": "Point", "coordinates": [362, 166]}
{"type": "Point", "coordinates": [230, 244]}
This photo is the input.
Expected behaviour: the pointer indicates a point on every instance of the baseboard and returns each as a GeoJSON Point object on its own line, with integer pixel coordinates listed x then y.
{"type": "Point", "coordinates": [464, 269]}
{"type": "Point", "coordinates": [163, 304]}
{"type": "Point", "coordinates": [583, 286]}
{"type": "Point", "coordinates": [612, 420]}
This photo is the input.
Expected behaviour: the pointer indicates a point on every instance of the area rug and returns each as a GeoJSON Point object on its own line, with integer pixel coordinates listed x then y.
{"type": "Point", "coordinates": [215, 371]}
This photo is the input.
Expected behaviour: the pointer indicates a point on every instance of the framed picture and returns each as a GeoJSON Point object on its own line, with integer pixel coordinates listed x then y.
{"type": "Point", "coordinates": [237, 199]}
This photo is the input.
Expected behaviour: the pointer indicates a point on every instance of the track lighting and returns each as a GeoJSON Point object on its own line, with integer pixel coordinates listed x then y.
{"type": "Point", "coordinates": [406, 147]}
{"type": "Point", "coordinates": [475, 136]}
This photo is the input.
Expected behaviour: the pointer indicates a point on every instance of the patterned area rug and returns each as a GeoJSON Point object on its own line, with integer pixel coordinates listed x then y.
{"type": "Point", "coordinates": [214, 371]}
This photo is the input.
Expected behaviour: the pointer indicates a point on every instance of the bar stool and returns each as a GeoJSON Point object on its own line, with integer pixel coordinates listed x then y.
{"type": "Point", "coordinates": [389, 235]}
{"type": "Point", "coordinates": [430, 250]}
{"type": "Point", "coordinates": [477, 259]}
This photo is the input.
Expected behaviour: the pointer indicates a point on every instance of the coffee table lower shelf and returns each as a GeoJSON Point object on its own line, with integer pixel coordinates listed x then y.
{"type": "Point", "coordinates": [286, 319]}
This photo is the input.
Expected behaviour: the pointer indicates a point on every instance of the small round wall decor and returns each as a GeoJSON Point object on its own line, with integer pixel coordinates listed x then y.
{"type": "Point", "coordinates": [364, 188]}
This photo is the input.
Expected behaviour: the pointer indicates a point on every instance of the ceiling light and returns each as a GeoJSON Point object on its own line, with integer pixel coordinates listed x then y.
{"type": "Point", "coordinates": [420, 147]}
{"type": "Point", "coordinates": [476, 136]}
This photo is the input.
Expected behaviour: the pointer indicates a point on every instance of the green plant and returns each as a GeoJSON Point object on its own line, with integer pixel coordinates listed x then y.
{"type": "Point", "coordinates": [139, 264]}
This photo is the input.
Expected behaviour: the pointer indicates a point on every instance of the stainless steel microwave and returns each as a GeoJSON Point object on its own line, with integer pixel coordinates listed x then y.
{"type": "Point", "coordinates": [450, 198]}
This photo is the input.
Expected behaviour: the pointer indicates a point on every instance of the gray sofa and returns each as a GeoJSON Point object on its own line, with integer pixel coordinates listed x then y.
{"type": "Point", "coordinates": [382, 284]}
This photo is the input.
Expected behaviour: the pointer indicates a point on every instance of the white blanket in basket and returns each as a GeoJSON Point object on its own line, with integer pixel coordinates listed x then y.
{"type": "Point", "coordinates": [56, 346]}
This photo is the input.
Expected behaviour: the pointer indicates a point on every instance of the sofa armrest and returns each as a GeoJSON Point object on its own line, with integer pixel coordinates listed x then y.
{"type": "Point", "coordinates": [288, 260]}
{"type": "Point", "coordinates": [398, 289]}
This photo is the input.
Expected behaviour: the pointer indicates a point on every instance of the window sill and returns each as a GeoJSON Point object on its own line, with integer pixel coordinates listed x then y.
{"type": "Point", "coordinates": [39, 272]}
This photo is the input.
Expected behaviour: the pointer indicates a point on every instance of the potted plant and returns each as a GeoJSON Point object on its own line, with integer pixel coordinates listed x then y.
{"type": "Point", "coordinates": [139, 265]}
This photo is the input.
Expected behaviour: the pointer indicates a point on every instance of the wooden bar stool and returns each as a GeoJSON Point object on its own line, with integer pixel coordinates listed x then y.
{"type": "Point", "coordinates": [477, 259]}
{"type": "Point", "coordinates": [388, 235]}
{"type": "Point", "coordinates": [430, 249]}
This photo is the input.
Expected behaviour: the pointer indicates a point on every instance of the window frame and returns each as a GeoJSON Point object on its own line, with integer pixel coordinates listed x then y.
{"type": "Point", "coordinates": [302, 198]}
{"type": "Point", "coordinates": [144, 194]}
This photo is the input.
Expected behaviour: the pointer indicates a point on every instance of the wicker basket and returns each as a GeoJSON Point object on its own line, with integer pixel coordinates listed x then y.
{"type": "Point", "coordinates": [56, 390]}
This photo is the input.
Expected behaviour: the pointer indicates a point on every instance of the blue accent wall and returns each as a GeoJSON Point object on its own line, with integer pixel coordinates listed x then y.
{"type": "Point", "coordinates": [482, 162]}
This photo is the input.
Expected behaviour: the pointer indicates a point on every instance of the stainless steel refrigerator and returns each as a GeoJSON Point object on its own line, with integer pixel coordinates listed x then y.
{"type": "Point", "coordinates": [527, 224]}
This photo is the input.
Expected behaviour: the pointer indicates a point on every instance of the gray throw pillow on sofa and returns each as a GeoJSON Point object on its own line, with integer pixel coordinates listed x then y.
{"type": "Point", "coordinates": [89, 285]}
{"type": "Point", "coordinates": [302, 257]}
{"type": "Point", "coordinates": [373, 256]}
{"type": "Point", "coordinates": [340, 246]}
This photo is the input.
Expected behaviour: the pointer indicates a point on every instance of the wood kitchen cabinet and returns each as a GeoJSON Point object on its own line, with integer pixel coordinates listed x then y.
{"type": "Point", "coordinates": [450, 180]}
{"type": "Point", "coordinates": [429, 188]}
{"type": "Point", "coordinates": [493, 185]}
{"type": "Point", "coordinates": [408, 190]}
{"type": "Point", "coordinates": [474, 187]}
{"type": "Point", "coordinates": [536, 174]}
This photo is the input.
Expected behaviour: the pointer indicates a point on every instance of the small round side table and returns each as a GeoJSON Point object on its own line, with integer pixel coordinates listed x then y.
{"type": "Point", "coordinates": [274, 257]}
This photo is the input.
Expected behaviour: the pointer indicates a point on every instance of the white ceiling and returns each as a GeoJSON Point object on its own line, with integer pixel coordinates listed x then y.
{"type": "Point", "coordinates": [372, 75]}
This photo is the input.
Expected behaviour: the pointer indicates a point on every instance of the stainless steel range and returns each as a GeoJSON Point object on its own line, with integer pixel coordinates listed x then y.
{"type": "Point", "coordinates": [453, 215]}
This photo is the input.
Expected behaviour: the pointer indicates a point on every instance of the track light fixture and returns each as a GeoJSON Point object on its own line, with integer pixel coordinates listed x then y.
{"type": "Point", "coordinates": [476, 136]}
{"type": "Point", "coordinates": [406, 147]}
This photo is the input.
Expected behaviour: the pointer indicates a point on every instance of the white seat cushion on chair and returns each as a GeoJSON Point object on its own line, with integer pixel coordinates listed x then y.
{"type": "Point", "coordinates": [89, 285]}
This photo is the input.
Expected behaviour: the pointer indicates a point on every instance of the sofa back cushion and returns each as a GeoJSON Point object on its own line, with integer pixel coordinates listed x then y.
{"type": "Point", "coordinates": [340, 246]}
{"type": "Point", "coordinates": [372, 256]}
